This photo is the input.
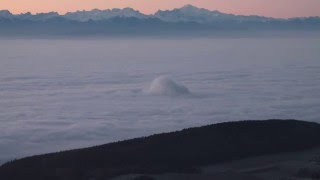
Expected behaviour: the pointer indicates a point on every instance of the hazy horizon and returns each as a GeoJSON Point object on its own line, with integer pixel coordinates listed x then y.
{"type": "Point", "coordinates": [278, 9]}
{"type": "Point", "coordinates": [152, 13]}
{"type": "Point", "coordinates": [87, 78]}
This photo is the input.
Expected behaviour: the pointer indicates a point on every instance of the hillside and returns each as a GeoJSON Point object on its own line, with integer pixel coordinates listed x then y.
{"type": "Point", "coordinates": [182, 151]}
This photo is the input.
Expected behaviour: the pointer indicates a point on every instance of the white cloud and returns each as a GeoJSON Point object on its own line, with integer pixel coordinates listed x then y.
{"type": "Point", "coordinates": [163, 85]}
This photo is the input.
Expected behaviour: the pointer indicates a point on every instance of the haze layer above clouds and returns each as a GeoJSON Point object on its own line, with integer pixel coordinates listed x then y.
{"type": "Point", "coordinates": [62, 94]}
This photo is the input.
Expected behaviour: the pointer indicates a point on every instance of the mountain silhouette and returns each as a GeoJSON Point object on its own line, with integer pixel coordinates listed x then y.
{"type": "Point", "coordinates": [188, 20]}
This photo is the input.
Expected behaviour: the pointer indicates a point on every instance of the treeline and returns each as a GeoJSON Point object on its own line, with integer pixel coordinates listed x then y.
{"type": "Point", "coordinates": [181, 151]}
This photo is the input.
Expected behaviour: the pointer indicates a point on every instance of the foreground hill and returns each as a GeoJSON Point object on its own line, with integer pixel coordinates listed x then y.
{"type": "Point", "coordinates": [182, 151]}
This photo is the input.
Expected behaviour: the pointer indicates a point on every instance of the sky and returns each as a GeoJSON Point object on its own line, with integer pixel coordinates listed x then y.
{"type": "Point", "coordinates": [271, 8]}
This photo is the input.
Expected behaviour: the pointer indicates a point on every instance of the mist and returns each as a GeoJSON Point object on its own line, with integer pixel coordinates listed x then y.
{"type": "Point", "coordinates": [64, 94]}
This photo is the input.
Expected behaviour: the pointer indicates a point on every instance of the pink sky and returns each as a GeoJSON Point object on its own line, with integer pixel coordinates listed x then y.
{"type": "Point", "coordinates": [274, 8]}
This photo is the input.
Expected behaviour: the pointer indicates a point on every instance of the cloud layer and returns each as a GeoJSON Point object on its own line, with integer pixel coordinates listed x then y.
{"type": "Point", "coordinates": [63, 94]}
{"type": "Point", "coordinates": [163, 85]}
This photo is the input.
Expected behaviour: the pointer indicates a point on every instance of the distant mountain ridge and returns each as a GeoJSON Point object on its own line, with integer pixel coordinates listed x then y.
{"type": "Point", "coordinates": [188, 19]}
{"type": "Point", "coordinates": [187, 13]}
{"type": "Point", "coordinates": [97, 14]}
{"type": "Point", "coordinates": [200, 15]}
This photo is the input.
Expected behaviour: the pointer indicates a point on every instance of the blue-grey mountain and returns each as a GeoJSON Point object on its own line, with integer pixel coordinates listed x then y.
{"type": "Point", "coordinates": [185, 20]}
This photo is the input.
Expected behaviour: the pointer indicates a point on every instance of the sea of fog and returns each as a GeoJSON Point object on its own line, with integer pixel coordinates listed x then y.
{"type": "Point", "coordinates": [62, 94]}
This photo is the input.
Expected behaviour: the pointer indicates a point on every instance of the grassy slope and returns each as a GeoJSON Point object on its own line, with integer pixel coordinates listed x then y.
{"type": "Point", "coordinates": [170, 152]}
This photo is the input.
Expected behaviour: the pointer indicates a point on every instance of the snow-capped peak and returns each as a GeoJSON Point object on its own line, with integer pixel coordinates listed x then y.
{"type": "Point", "coordinates": [5, 14]}
{"type": "Point", "coordinates": [188, 13]}
{"type": "Point", "coordinates": [97, 14]}
{"type": "Point", "coordinates": [38, 16]}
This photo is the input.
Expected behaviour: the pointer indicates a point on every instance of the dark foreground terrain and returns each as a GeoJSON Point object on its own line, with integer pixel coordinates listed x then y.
{"type": "Point", "coordinates": [177, 152]}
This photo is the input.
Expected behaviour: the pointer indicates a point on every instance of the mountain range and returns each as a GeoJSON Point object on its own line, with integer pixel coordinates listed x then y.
{"type": "Point", "coordinates": [185, 19]}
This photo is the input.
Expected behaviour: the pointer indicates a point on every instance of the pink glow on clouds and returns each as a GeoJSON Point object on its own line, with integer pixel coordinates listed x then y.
{"type": "Point", "coordinates": [273, 8]}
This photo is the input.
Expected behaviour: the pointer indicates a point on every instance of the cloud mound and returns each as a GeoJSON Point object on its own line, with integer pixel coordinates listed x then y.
{"type": "Point", "coordinates": [167, 87]}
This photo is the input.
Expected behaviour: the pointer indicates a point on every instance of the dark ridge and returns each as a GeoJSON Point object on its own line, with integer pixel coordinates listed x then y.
{"type": "Point", "coordinates": [181, 151]}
